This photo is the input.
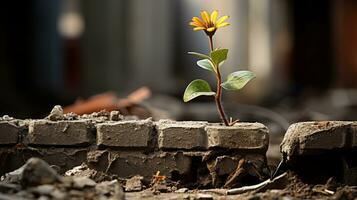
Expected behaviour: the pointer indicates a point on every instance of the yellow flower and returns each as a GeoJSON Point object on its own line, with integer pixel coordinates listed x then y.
{"type": "Point", "coordinates": [209, 23]}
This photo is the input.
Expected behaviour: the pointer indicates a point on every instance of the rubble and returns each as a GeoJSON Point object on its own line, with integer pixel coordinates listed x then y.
{"type": "Point", "coordinates": [134, 184]}
{"type": "Point", "coordinates": [37, 180]}
{"type": "Point", "coordinates": [56, 114]}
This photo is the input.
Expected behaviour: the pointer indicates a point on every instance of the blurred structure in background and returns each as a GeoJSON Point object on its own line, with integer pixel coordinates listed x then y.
{"type": "Point", "coordinates": [303, 53]}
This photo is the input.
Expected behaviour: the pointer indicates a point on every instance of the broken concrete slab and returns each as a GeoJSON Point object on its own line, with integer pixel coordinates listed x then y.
{"type": "Point", "coordinates": [311, 137]}
{"type": "Point", "coordinates": [9, 133]}
{"type": "Point", "coordinates": [132, 133]}
{"type": "Point", "coordinates": [181, 135]}
{"type": "Point", "coordinates": [59, 133]}
{"type": "Point", "coordinates": [247, 136]}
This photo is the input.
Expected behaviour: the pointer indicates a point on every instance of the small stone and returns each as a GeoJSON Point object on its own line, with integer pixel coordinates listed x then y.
{"type": "Point", "coordinates": [56, 114]}
{"type": "Point", "coordinates": [11, 197]}
{"type": "Point", "coordinates": [14, 176]}
{"type": "Point", "coordinates": [81, 171]}
{"type": "Point", "coordinates": [134, 184]}
{"type": "Point", "coordinates": [118, 193]}
{"type": "Point", "coordinates": [57, 194]}
{"type": "Point", "coordinates": [82, 182]}
{"type": "Point", "coordinates": [8, 187]}
{"type": "Point", "coordinates": [106, 187]}
{"type": "Point", "coordinates": [182, 190]}
{"type": "Point", "coordinates": [38, 172]}
{"type": "Point", "coordinates": [7, 118]}
{"type": "Point", "coordinates": [43, 189]}
{"type": "Point", "coordinates": [203, 197]}
{"type": "Point", "coordinates": [115, 116]}
{"type": "Point", "coordinates": [43, 198]}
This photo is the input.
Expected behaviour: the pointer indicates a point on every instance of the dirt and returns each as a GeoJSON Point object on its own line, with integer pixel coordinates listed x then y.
{"type": "Point", "coordinates": [81, 182]}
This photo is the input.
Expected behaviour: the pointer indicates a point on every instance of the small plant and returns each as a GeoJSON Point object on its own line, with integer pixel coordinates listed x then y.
{"type": "Point", "coordinates": [212, 62]}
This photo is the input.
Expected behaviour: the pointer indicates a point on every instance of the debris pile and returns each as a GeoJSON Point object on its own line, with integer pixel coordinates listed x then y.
{"type": "Point", "coordinates": [37, 180]}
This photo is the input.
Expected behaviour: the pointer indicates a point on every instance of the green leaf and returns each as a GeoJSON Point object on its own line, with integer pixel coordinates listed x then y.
{"type": "Point", "coordinates": [219, 55]}
{"type": "Point", "coordinates": [206, 64]}
{"type": "Point", "coordinates": [237, 80]}
{"type": "Point", "coordinates": [199, 55]}
{"type": "Point", "coordinates": [197, 88]}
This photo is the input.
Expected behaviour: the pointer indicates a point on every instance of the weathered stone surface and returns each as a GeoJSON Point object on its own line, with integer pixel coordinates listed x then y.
{"type": "Point", "coordinates": [182, 135]}
{"type": "Point", "coordinates": [134, 184]}
{"type": "Point", "coordinates": [249, 136]}
{"type": "Point", "coordinates": [9, 133]}
{"type": "Point", "coordinates": [128, 164]}
{"type": "Point", "coordinates": [56, 114]}
{"type": "Point", "coordinates": [37, 172]}
{"type": "Point", "coordinates": [309, 137]}
{"type": "Point", "coordinates": [59, 133]}
{"type": "Point", "coordinates": [125, 133]}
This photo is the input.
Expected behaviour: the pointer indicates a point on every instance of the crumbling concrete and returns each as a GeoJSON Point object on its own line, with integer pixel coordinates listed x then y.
{"type": "Point", "coordinates": [60, 133]}
{"type": "Point", "coordinates": [320, 150]}
{"type": "Point", "coordinates": [252, 136]}
{"type": "Point", "coordinates": [110, 143]}
{"type": "Point", "coordinates": [311, 137]}
{"type": "Point", "coordinates": [134, 133]}
{"type": "Point", "coordinates": [182, 135]}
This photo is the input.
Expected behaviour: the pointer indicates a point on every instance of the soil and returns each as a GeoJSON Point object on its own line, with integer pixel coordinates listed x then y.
{"type": "Point", "coordinates": [295, 189]}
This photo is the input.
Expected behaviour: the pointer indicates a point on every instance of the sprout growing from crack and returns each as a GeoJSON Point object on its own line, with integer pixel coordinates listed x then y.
{"type": "Point", "coordinates": [210, 23]}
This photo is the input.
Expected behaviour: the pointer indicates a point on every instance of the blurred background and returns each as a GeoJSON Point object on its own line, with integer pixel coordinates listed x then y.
{"type": "Point", "coordinates": [64, 52]}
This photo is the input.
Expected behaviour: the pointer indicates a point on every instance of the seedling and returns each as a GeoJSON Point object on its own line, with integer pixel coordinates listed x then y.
{"type": "Point", "coordinates": [212, 62]}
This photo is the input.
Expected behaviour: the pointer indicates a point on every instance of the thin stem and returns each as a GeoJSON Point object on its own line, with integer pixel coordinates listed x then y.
{"type": "Point", "coordinates": [210, 42]}
{"type": "Point", "coordinates": [219, 91]}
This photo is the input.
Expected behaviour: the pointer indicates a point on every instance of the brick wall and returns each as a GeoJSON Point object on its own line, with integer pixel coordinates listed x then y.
{"type": "Point", "coordinates": [129, 147]}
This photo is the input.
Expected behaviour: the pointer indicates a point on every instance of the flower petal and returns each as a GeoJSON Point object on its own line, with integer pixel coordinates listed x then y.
{"type": "Point", "coordinates": [205, 17]}
{"type": "Point", "coordinates": [199, 28]}
{"type": "Point", "coordinates": [222, 19]}
{"type": "Point", "coordinates": [198, 20]}
{"type": "Point", "coordinates": [211, 29]}
{"type": "Point", "coordinates": [195, 24]}
{"type": "Point", "coordinates": [222, 24]}
{"type": "Point", "coordinates": [214, 16]}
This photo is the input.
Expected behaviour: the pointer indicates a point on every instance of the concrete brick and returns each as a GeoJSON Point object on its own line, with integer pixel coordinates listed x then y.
{"type": "Point", "coordinates": [182, 135]}
{"type": "Point", "coordinates": [133, 133]}
{"type": "Point", "coordinates": [128, 164]}
{"type": "Point", "coordinates": [310, 137]}
{"type": "Point", "coordinates": [59, 133]}
{"type": "Point", "coordinates": [248, 136]}
{"type": "Point", "coordinates": [9, 133]}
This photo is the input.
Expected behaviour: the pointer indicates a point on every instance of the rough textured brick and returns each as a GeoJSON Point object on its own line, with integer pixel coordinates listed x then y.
{"type": "Point", "coordinates": [127, 164]}
{"type": "Point", "coordinates": [182, 135]}
{"type": "Point", "coordinates": [9, 133]}
{"type": "Point", "coordinates": [250, 136]}
{"type": "Point", "coordinates": [133, 133]}
{"type": "Point", "coordinates": [305, 137]}
{"type": "Point", "coordinates": [61, 133]}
